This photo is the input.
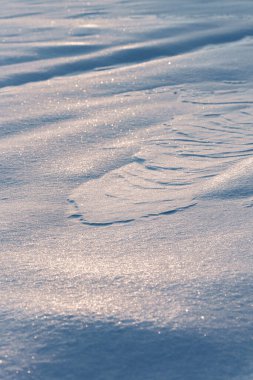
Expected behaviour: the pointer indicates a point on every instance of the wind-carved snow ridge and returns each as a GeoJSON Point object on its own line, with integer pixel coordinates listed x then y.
{"type": "Point", "coordinates": [176, 168]}
{"type": "Point", "coordinates": [135, 191]}
{"type": "Point", "coordinates": [236, 182]}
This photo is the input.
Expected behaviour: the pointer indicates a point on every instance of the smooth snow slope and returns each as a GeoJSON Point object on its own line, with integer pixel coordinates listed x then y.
{"type": "Point", "coordinates": [126, 190]}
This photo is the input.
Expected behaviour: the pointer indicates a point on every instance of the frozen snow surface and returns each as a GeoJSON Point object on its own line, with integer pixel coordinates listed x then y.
{"type": "Point", "coordinates": [126, 177]}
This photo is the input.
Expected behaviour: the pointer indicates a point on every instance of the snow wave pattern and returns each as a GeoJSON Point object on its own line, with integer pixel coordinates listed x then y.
{"type": "Point", "coordinates": [136, 116]}
{"type": "Point", "coordinates": [207, 154]}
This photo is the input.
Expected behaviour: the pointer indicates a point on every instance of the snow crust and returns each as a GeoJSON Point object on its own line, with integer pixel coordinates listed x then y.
{"type": "Point", "coordinates": [126, 190]}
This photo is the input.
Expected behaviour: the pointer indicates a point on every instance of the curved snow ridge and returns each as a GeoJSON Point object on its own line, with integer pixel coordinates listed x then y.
{"type": "Point", "coordinates": [235, 182]}
{"type": "Point", "coordinates": [82, 218]}
{"type": "Point", "coordinates": [100, 57]}
{"type": "Point", "coordinates": [136, 191]}
{"type": "Point", "coordinates": [186, 161]}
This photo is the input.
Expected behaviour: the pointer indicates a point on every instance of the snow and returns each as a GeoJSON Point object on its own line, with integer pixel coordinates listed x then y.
{"type": "Point", "coordinates": [126, 190]}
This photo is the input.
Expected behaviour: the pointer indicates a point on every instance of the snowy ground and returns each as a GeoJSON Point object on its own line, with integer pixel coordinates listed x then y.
{"type": "Point", "coordinates": [126, 179]}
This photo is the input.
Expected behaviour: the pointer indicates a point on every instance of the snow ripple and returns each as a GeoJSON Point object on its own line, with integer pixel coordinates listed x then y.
{"type": "Point", "coordinates": [177, 168]}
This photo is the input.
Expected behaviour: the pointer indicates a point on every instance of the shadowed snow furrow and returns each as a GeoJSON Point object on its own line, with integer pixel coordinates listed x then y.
{"type": "Point", "coordinates": [125, 55]}
{"type": "Point", "coordinates": [52, 52]}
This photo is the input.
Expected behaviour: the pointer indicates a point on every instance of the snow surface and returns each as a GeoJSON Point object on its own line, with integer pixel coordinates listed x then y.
{"type": "Point", "coordinates": [126, 190]}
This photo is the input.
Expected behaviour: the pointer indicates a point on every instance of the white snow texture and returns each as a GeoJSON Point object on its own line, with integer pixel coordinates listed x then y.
{"type": "Point", "coordinates": [126, 190]}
